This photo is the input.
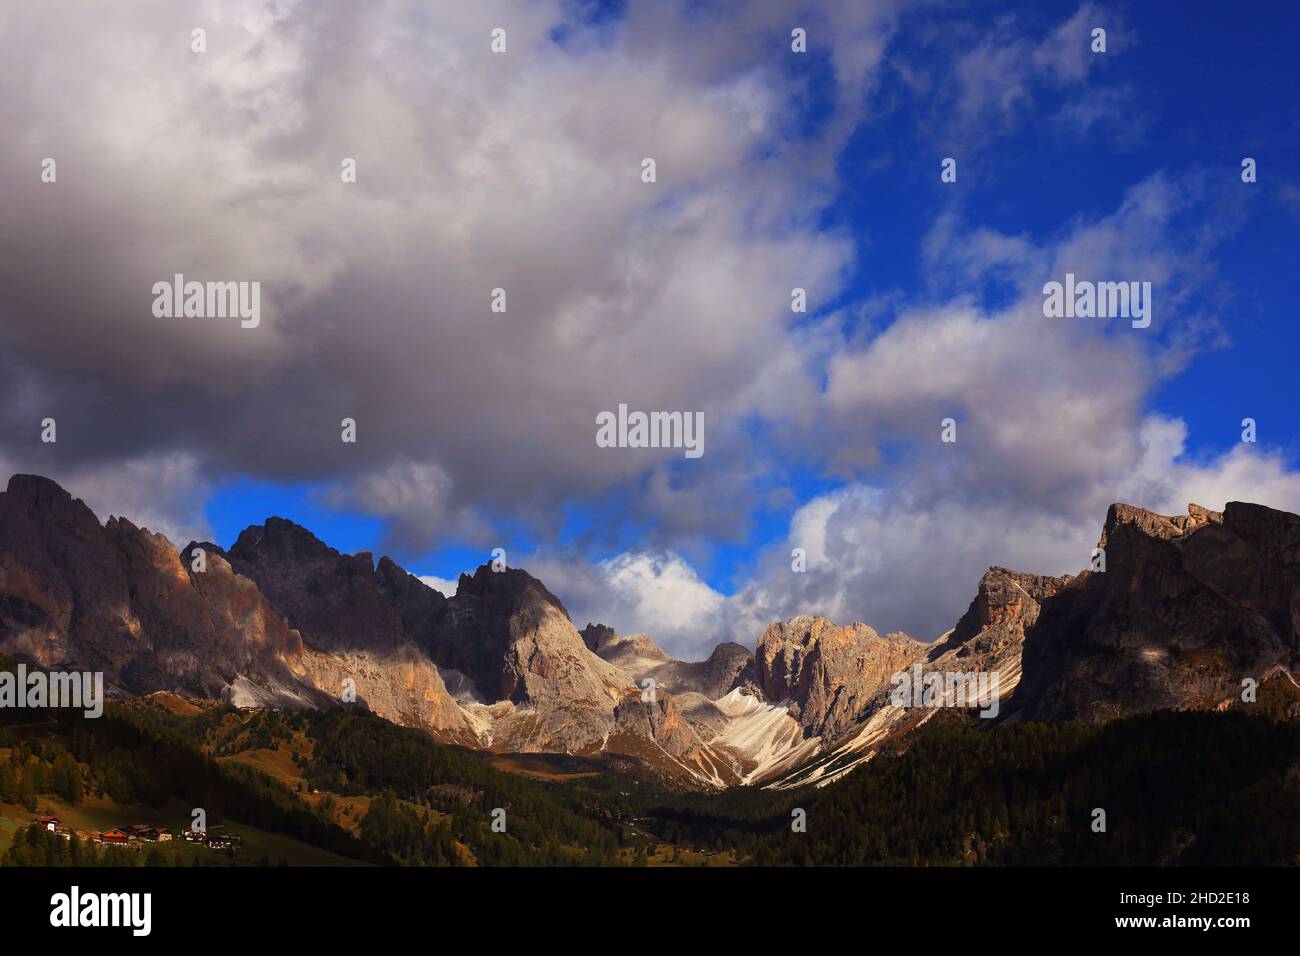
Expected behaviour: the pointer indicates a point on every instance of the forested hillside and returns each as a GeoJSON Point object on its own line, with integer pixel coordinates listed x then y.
{"type": "Point", "coordinates": [1176, 788]}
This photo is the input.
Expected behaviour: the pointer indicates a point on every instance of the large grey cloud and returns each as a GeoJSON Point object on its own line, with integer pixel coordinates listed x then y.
{"type": "Point", "coordinates": [475, 171]}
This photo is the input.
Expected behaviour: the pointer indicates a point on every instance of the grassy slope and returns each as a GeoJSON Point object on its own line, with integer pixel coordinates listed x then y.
{"type": "Point", "coordinates": [100, 813]}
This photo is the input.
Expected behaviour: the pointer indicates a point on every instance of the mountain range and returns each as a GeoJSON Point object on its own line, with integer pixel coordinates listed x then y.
{"type": "Point", "coordinates": [1187, 609]}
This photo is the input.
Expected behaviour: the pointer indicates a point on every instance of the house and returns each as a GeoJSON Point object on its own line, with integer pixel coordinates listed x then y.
{"type": "Point", "coordinates": [194, 836]}
{"type": "Point", "coordinates": [113, 836]}
{"type": "Point", "coordinates": [47, 823]}
{"type": "Point", "coordinates": [148, 834]}
{"type": "Point", "coordinates": [145, 833]}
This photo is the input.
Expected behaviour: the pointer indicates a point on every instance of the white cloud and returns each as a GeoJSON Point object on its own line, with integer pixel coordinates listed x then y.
{"type": "Point", "coordinates": [659, 594]}
{"type": "Point", "coordinates": [444, 586]}
{"type": "Point", "coordinates": [901, 562]}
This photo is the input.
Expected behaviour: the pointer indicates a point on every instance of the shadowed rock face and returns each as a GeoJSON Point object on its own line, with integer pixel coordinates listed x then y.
{"type": "Point", "coordinates": [493, 611]}
{"type": "Point", "coordinates": [514, 639]}
{"type": "Point", "coordinates": [420, 607]}
{"type": "Point", "coordinates": [990, 636]}
{"type": "Point", "coordinates": [1188, 606]}
{"type": "Point", "coordinates": [118, 599]}
{"type": "Point", "coordinates": [338, 601]}
{"type": "Point", "coordinates": [360, 616]}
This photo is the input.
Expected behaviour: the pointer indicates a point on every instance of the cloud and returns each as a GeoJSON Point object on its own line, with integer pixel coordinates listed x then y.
{"type": "Point", "coordinates": [979, 81]}
{"type": "Point", "coordinates": [898, 561]}
{"type": "Point", "coordinates": [638, 592]}
{"type": "Point", "coordinates": [1166, 479]}
{"type": "Point", "coordinates": [1044, 408]}
{"type": "Point", "coordinates": [521, 171]}
{"type": "Point", "coordinates": [1052, 424]}
{"type": "Point", "coordinates": [165, 493]}
{"type": "Point", "coordinates": [443, 585]}
{"type": "Point", "coordinates": [416, 499]}
{"type": "Point", "coordinates": [475, 172]}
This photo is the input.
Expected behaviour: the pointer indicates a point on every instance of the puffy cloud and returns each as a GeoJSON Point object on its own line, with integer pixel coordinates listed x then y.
{"type": "Point", "coordinates": [659, 594]}
{"type": "Point", "coordinates": [1166, 478]}
{"type": "Point", "coordinates": [1046, 409]}
{"type": "Point", "coordinates": [475, 172]}
{"type": "Point", "coordinates": [898, 561]}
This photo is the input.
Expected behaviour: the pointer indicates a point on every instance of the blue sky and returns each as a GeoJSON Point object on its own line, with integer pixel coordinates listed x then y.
{"type": "Point", "coordinates": [776, 170]}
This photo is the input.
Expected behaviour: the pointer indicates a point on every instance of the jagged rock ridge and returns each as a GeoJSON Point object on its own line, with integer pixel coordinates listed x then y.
{"type": "Point", "coordinates": [1187, 607]}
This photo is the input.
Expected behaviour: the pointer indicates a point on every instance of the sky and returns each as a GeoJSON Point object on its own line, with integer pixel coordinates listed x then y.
{"type": "Point", "coordinates": [775, 169]}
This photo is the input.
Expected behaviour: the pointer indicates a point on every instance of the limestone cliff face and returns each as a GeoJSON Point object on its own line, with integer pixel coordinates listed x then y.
{"type": "Point", "coordinates": [831, 675]}
{"type": "Point", "coordinates": [1187, 607]}
{"type": "Point", "coordinates": [1005, 600]}
{"type": "Point", "coordinates": [658, 733]}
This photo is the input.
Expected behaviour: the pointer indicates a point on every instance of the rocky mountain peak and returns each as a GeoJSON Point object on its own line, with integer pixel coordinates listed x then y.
{"type": "Point", "coordinates": [1187, 607]}
{"type": "Point", "coordinates": [829, 673]}
{"type": "Point", "coordinates": [593, 635]}
{"type": "Point", "coordinates": [39, 499]}
{"type": "Point", "coordinates": [282, 540]}
{"type": "Point", "coordinates": [334, 599]}
{"type": "Point", "coordinates": [728, 652]}
{"type": "Point", "coordinates": [1007, 598]}
{"type": "Point", "coordinates": [508, 587]}
{"type": "Point", "coordinates": [1165, 527]}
